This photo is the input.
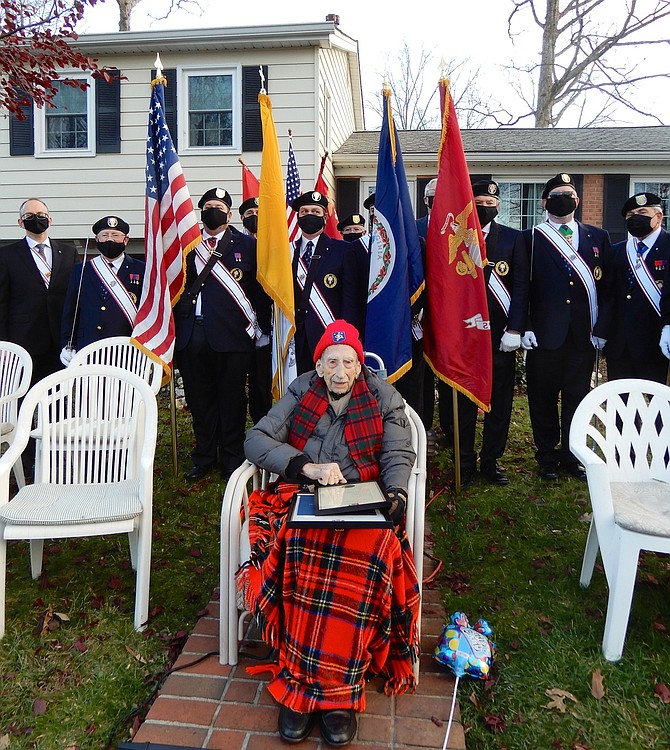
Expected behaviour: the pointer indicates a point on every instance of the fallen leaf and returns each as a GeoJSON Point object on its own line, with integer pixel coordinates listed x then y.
{"type": "Point", "coordinates": [137, 656]}
{"type": "Point", "coordinates": [80, 646]}
{"type": "Point", "coordinates": [662, 692]}
{"type": "Point", "coordinates": [660, 626]}
{"type": "Point", "coordinates": [558, 698]}
{"type": "Point", "coordinates": [495, 723]}
{"type": "Point", "coordinates": [474, 700]}
{"type": "Point", "coordinates": [436, 721]}
{"type": "Point", "coordinates": [39, 707]}
{"type": "Point", "coordinates": [597, 687]}
{"type": "Point", "coordinates": [62, 616]}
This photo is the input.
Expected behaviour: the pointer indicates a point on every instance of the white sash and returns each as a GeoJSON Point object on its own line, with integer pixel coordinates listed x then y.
{"type": "Point", "coordinates": [576, 262]}
{"type": "Point", "coordinates": [643, 275]}
{"type": "Point", "coordinates": [42, 266]}
{"type": "Point", "coordinates": [499, 291]}
{"type": "Point", "coordinates": [316, 300]}
{"type": "Point", "coordinates": [224, 277]}
{"type": "Point", "coordinates": [115, 288]}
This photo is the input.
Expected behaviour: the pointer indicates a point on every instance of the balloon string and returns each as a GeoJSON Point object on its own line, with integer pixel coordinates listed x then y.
{"type": "Point", "coordinates": [451, 713]}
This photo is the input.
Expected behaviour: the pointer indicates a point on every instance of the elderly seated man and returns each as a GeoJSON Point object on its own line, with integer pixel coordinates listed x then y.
{"type": "Point", "coordinates": [339, 604]}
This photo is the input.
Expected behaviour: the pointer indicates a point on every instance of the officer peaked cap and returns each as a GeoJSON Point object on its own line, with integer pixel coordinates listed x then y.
{"type": "Point", "coordinates": [216, 194]}
{"type": "Point", "coordinates": [111, 222]}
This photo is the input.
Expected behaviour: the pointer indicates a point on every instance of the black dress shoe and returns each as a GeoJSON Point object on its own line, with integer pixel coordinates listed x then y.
{"type": "Point", "coordinates": [548, 473]}
{"type": "Point", "coordinates": [293, 725]}
{"type": "Point", "coordinates": [338, 727]}
{"type": "Point", "coordinates": [576, 471]}
{"type": "Point", "coordinates": [196, 473]}
{"type": "Point", "coordinates": [468, 476]}
{"type": "Point", "coordinates": [494, 474]}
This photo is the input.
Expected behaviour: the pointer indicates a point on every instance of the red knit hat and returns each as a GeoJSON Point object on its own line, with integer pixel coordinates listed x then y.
{"type": "Point", "coordinates": [340, 332]}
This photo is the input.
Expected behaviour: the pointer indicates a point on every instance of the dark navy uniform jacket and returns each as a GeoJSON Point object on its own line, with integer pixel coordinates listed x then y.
{"type": "Point", "coordinates": [631, 321]}
{"type": "Point", "coordinates": [99, 315]}
{"type": "Point", "coordinates": [558, 303]}
{"type": "Point", "coordinates": [339, 271]}
{"type": "Point", "coordinates": [225, 323]}
{"type": "Point", "coordinates": [506, 252]}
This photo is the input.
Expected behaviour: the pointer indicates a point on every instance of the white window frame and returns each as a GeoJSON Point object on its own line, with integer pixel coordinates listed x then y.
{"type": "Point", "coordinates": [41, 150]}
{"type": "Point", "coordinates": [182, 108]}
{"type": "Point", "coordinates": [636, 180]}
{"type": "Point", "coordinates": [524, 180]}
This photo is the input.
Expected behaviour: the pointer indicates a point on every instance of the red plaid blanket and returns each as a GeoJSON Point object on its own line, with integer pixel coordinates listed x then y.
{"type": "Point", "coordinates": [338, 604]}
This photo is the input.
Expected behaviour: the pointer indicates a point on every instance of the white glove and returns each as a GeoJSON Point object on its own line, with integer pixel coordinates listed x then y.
{"type": "Point", "coordinates": [598, 343]}
{"type": "Point", "coordinates": [66, 355]}
{"type": "Point", "coordinates": [262, 340]}
{"type": "Point", "coordinates": [510, 342]}
{"type": "Point", "coordinates": [664, 343]}
{"type": "Point", "coordinates": [528, 340]}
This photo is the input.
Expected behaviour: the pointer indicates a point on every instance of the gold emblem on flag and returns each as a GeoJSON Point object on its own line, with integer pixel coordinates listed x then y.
{"type": "Point", "coordinates": [461, 234]}
{"type": "Point", "coordinates": [502, 268]}
{"type": "Point", "coordinates": [236, 273]}
{"type": "Point", "coordinates": [330, 280]}
{"type": "Point", "coordinates": [597, 273]}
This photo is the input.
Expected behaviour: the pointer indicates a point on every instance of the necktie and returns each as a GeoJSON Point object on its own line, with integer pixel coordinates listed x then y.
{"type": "Point", "coordinates": [565, 230]}
{"type": "Point", "coordinates": [309, 251]}
{"type": "Point", "coordinates": [641, 250]}
{"type": "Point", "coordinates": [40, 250]}
{"type": "Point", "coordinates": [212, 242]}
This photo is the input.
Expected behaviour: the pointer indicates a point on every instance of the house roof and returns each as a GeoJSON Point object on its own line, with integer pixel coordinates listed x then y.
{"type": "Point", "coordinates": [523, 145]}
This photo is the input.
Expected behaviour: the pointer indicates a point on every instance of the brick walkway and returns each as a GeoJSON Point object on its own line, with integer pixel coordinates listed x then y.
{"type": "Point", "coordinates": [214, 706]}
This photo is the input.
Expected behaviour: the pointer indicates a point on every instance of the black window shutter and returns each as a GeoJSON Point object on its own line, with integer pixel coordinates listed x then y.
{"type": "Point", "coordinates": [616, 191]}
{"type": "Point", "coordinates": [108, 114]}
{"type": "Point", "coordinates": [252, 134]}
{"type": "Point", "coordinates": [170, 96]}
{"type": "Point", "coordinates": [578, 180]}
{"type": "Point", "coordinates": [347, 192]}
{"type": "Point", "coordinates": [21, 132]}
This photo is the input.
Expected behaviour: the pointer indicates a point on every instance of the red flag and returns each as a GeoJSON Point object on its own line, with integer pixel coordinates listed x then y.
{"type": "Point", "coordinates": [457, 334]}
{"type": "Point", "coordinates": [332, 221]}
{"type": "Point", "coordinates": [250, 184]}
{"type": "Point", "coordinates": [170, 230]}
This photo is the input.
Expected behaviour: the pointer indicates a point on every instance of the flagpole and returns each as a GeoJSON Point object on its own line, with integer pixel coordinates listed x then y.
{"type": "Point", "coordinates": [173, 421]}
{"type": "Point", "coordinates": [457, 439]}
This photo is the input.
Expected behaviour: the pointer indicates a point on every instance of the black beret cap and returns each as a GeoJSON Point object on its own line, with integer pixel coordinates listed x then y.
{"type": "Point", "coordinates": [111, 222]}
{"type": "Point", "coordinates": [560, 180]}
{"type": "Point", "coordinates": [355, 220]}
{"type": "Point", "coordinates": [639, 200]}
{"type": "Point", "coordinates": [486, 187]}
{"type": "Point", "coordinates": [369, 202]}
{"type": "Point", "coordinates": [248, 203]}
{"type": "Point", "coordinates": [216, 194]}
{"type": "Point", "coordinates": [310, 199]}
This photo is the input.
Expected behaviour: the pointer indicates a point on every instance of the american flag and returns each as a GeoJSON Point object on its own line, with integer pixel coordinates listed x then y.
{"type": "Point", "coordinates": [292, 192]}
{"type": "Point", "coordinates": [171, 231]}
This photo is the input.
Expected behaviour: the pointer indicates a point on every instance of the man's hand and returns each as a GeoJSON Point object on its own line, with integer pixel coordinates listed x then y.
{"type": "Point", "coordinates": [664, 343]}
{"type": "Point", "coordinates": [510, 341]}
{"type": "Point", "coordinates": [66, 355]}
{"type": "Point", "coordinates": [324, 473]}
{"type": "Point", "coordinates": [528, 340]}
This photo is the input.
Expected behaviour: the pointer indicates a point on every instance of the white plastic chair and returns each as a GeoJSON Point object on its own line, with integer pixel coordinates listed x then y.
{"type": "Point", "coordinates": [117, 351]}
{"type": "Point", "coordinates": [245, 480]}
{"type": "Point", "coordinates": [97, 426]}
{"type": "Point", "coordinates": [621, 433]}
{"type": "Point", "coordinates": [16, 369]}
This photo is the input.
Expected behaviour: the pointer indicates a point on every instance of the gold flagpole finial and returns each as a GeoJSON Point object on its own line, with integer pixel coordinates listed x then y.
{"type": "Point", "coordinates": [260, 73]}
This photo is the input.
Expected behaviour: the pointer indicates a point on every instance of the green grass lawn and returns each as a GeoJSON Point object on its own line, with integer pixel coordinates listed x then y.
{"type": "Point", "coordinates": [511, 555]}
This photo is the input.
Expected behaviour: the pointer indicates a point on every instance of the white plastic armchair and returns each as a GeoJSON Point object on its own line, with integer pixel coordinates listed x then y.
{"type": "Point", "coordinates": [16, 369]}
{"type": "Point", "coordinates": [117, 351]}
{"type": "Point", "coordinates": [97, 426]}
{"type": "Point", "coordinates": [248, 478]}
{"type": "Point", "coordinates": [621, 434]}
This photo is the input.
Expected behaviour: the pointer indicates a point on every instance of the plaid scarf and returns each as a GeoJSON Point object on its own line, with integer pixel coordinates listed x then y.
{"type": "Point", "coordinates": [362, 428]}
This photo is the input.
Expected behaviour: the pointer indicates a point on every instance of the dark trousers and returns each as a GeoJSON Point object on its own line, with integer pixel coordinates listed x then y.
{"type": "Point", "coordinates": [214, 385]}
{"type": "Point", "coordinates": [627, 366]}
{"type": "Point", "coordinates": [410, 385]}
{"type": "Point", "coordinates": [467, 423]}
{"type": "Point", "coordinates": [260, 383]}
{"type": "Point", "coordinates": [496, 421]}
{"type": "Point", "coordinates": [550, 373]}
{"type": "Point", "coordinates": [304, 354]}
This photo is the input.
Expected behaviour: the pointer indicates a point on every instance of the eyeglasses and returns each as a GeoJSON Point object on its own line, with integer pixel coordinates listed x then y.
{"type": "Point", "coordinates": [569, 193]}
{"type": "Point", "coordinates": [27, 217]}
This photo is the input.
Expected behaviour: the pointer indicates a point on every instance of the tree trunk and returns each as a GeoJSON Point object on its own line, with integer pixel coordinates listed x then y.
{"type": "Point", "coordinates": [125, 9]}
{"type": "Point", "coordinates": [545, 93]}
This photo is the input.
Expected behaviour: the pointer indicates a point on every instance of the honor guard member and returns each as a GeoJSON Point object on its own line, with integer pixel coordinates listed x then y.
{"type": "Point", "coordinates": [104, 302]}
{"type": "Point", "coordinates": [566, 296]}
{"type": "Point", "coordinates": [220, 316]}
{"type": "Point", "coordinates": [327, 277]}
{"type": "Point", "coordinates": [635, 275]}
{"type": "Point", "coordinates": [428, 197]}
{"type": "Point", "coordinates": [34, 274]}
{"type": "Point", "coordinates": [507, 283]}
{"type": "Point", "coordinates": [352, 228]}
{"type": "Point", "coordinates": [260, 375]}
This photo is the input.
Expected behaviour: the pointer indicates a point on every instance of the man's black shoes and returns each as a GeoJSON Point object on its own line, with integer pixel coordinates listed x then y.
{"type": "Point", "coordinates": [548, 473]}
{"type": "Point", "coordinates": [494, 474]}
{"type": "Point", "coordinates": [338, 727]}
{"type": "Point", "coordinates": [576, 471]}
{"type": "Point", "coordinates": [293, 725]}
{"type": "Point", "coordinates": [197, 472]}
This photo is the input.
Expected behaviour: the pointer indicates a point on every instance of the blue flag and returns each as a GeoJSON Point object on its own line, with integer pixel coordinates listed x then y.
{"type": "Point", "coordinates": [396, 268]}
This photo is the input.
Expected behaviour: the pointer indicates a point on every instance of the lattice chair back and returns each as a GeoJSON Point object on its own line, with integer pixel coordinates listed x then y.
{"type": "Point", "coordinates": [16, 369]}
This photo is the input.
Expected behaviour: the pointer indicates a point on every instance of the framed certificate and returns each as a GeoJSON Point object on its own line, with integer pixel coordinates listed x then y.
{"type": "Point", "coordinates": [349, 498]}
{"type": "Point", "coordinates": [303, 515]}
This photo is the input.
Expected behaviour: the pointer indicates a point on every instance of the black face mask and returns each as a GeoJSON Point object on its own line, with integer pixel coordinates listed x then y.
{"type": "Point", "coordinates": [351, 236]}
{"type": "Point", "coordinates": [213, 218]}
{"type": "Point", "coordinates": [486, 214]}
{"type": "Point", "coordinates": [429, 201]}
{"type": "Point", "coordinates": [311, 223]}
{"type": "Point", "coordinates": [250, 223]}
{"type": "Point", "coordinates": [36, 225]}
{"type": "Point", "coordinates": [639, 225]}
{"type": "Point", "coordinates": [561, 205]}
{"type": "Point", "coordinates": [110, 249]}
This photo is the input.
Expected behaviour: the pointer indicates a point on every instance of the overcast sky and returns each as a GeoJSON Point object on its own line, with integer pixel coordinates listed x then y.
{"type": "Point", "coordinates": [475, 29]}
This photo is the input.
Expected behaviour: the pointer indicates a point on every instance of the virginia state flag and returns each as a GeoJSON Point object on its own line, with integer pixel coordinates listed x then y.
{"type": "Point", "coordinates": [396, 270]}
{"type": "Point", "coordinates": [457, 332]}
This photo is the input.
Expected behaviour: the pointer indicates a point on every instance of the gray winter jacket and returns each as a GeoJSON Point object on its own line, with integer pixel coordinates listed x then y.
{"type": "Point", "coordinates": [267, 445]}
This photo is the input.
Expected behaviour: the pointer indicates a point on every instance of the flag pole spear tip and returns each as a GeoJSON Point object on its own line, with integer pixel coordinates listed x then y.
{"type": "Point", "coordinates": [158, 65]}
{"type": "Point", "coordinates": [260, 73]}
{"type": "Point", "coordinates": [290, 133]}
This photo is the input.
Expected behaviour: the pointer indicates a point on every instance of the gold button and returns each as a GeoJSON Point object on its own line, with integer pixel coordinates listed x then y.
{"type": "Point", "coordinates": [572, 283]}
{"type": "Point", "coordinates": [99, 328]}
{"type": "Point", "coordinates": [103, 308]}
{"type": "Point", "coordinates": [628, 296]}
{"type": "Point", "coordinates": [567, 301]}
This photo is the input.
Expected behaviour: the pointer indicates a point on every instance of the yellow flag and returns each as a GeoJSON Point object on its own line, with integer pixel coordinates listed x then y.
{"type": "Point", "coordinates": [274, 269]}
